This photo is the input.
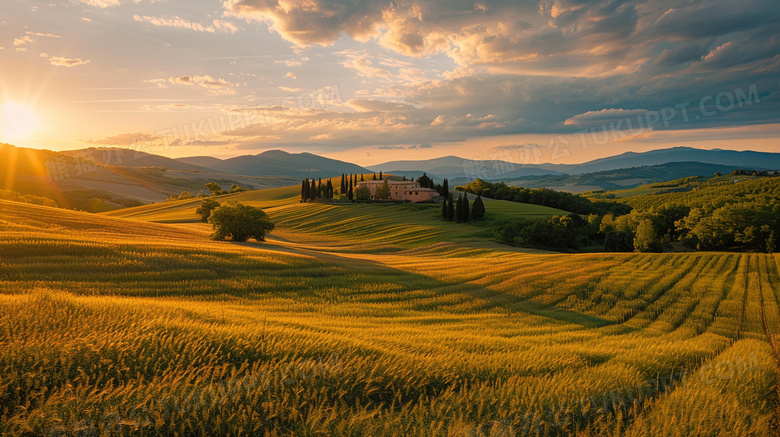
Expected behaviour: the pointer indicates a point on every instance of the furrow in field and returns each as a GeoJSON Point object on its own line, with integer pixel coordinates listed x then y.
{"type": "Point", "coordinates": [655, 297]}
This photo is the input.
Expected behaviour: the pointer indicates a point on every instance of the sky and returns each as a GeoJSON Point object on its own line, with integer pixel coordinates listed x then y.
{"type": "Point", "coordinates": [558, 81]}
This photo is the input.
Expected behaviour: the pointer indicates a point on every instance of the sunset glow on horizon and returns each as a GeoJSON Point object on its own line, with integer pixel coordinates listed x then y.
{"type": "Point", "coordinates": [372, 81]}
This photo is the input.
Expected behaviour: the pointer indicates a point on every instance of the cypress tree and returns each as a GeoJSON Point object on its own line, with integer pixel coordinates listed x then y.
{"type": "Point", "coordinates": [444, 209]}
{"type": "Point", "coordinates": [362, 177]}
{"type": "Point", "coordinates": [329, 190]}
{"type": "Point", "coordinates": [351, 193]}
{"type": "Point", "coordinates": [374, 176]}
{"type": "Point", "coordinates": [303, 190]}
{"type": "Point", "coordinates": [478, 210]}
{"type": "Point", "coordinates": [380, 174]}
{"type": "Point", "coordinates": [445, 187]}
{"type": "Point", "coordinates": [319, 189]}
{"type": "Point", "coordinates": [313, 190]}
{"type": "Point", "coordinates": [450, 208]}
{"type": "Point", "coordinates": [343, 183]}
{"type": "Point", "coordinates": [459, 209]}
{"type": "Point", "coordinates": [466, 207]}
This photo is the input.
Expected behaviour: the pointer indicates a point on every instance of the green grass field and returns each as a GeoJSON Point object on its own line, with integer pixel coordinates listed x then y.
{"type": "Point", "coordinates": [370, 320]}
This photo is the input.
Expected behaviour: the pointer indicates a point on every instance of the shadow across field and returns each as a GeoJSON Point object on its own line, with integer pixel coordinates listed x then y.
{"type": "Point", "coordinates": [485, 298]}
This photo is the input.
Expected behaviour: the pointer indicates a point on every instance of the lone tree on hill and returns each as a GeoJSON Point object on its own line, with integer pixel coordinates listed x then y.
{"type": "Point", "coordinates": [478, 209]}
{"type": "Point", "coordinates": [383, 192]}
{"type": "Point", "coordinates": [239, 222]}
{"type": "Point", "coordinates": [206, 206]}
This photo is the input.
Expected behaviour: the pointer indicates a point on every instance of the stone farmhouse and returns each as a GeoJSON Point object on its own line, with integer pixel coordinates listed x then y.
{"type": "Point", "coordinates": [402, 190]}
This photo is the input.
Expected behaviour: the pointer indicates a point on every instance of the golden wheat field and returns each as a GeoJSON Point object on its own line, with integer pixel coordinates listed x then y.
{"type": "Point", "coordinates": [371, 320]}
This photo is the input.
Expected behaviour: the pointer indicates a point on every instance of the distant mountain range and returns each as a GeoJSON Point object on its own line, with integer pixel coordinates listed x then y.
{"type": "Point", "coordinates": [277, 163]}
{"type": "Point", "coordinates": [454, 167]}
{"type": "Point", "coordinates": [120, 177]}
{"type": "Point", "coordinates": [622, 178]}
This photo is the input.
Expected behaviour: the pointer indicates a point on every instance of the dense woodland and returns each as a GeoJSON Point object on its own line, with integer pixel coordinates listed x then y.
{"type": "Point", "coordinates": [719, 213]}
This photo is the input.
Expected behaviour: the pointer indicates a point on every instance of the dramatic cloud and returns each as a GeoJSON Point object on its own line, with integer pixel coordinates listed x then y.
{"type": "Point", "coordinates": [413, 73]}
{"type": "Point", "coordinates": [312, 21]}
{"type": "Point", "coordinates": [554, 37]}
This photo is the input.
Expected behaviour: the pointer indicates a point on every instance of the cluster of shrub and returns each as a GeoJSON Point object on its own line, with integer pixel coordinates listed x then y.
{"type": "Point", "coordinates": [13, 196]}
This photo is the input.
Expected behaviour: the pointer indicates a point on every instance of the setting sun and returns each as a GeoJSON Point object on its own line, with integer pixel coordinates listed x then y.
{"type": "Point", "coordinates": [17, 121]}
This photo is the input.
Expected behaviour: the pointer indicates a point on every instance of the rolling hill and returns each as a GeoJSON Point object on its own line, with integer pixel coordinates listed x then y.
{"type": "Point", "coordinates": [100, 179]}
{"type": "Point", "coordinates": [452, 167]}
{"type": "Point", "coordinates": [278, 163]}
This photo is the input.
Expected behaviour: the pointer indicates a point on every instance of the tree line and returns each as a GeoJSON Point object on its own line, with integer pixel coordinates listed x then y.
{"type": "Point", "coordinates": [710, 215]}
{"type": "Point", "coordinates": [543, 197]}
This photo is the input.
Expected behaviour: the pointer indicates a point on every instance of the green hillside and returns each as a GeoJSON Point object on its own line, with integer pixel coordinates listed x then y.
{"type": "Point", "coordinates": [398, 224]}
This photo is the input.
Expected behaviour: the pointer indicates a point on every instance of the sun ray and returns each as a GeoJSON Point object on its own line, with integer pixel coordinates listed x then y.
{"type": "Point", "coordinates": [18, 122]}
{"type": "Point", "coordinates": [10, 170]}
